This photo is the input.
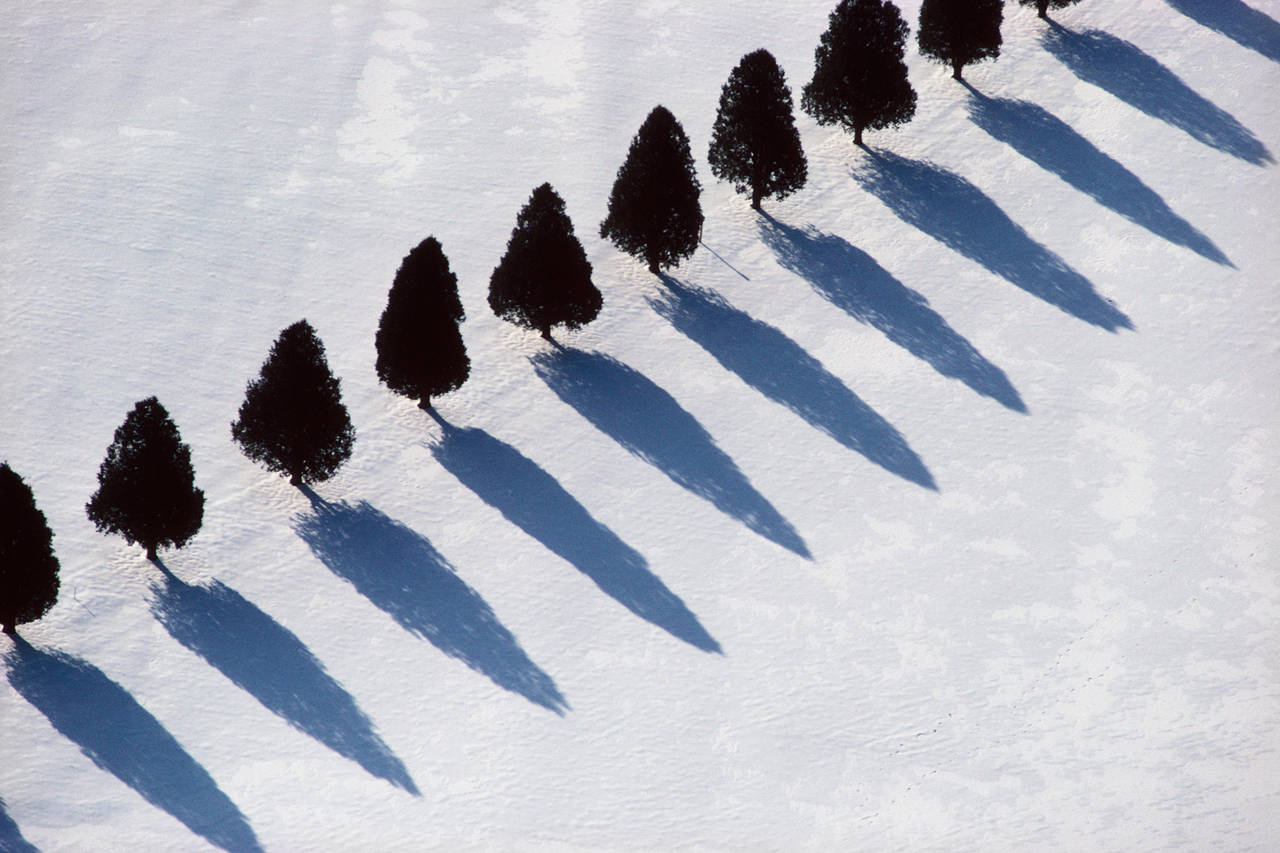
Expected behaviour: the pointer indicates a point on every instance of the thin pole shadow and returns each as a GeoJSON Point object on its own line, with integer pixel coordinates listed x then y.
{"type": "Point", "coordinates": [268, 661]}
{"type": "Point", "coordinates": [1237, 21]}
{"type": "Point", "coordinates": [124, 739]}
{"type": "Point", "coordinates": [400, 572]}
{"type": "Point", "coordinates": [534, 501]}
{"type": "Point", "coordinates": [1050, 143]}
{"type": "Point", "coordinates": [645, 420]}
{"type": "Point", "coordinates": [11, 839]}
{"type": "Point", "coordinates": [1128, 73]}
{"type": "Point", "coordinates": [779, 368]}
{"type": "Point", "coordinates": [961, 217]}
{"type": "Point", "coordinates": [851, 280]}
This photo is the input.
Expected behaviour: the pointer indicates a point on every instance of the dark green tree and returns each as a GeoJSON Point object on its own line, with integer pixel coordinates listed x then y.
{"type": "Point", "coordinates": [654, 213]}
{"type": "Point", "coordinates": [960, 32]}
{"type": "Point", "coordinates": [1043, 6]}
{"type": "Point", "coordinates": [754, 142]}
{"type": "Point", "coordinates": [146, 486]}
{"type": "Point", "coordinates": [859, 79]}
{"type": "Point", "coordinates": [292, 419]}
{"type": "Point", "coordinates": [544, 277]}
{"type": "Point", "coordinates": [28, 567]}
{"type": "Point", "coordinates": [420, 349]}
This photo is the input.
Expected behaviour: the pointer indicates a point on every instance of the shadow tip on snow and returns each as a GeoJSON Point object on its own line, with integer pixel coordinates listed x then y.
{"type": "Point", "coordinates": [1248, 27]}
{"type": "Point", "coordinates": [11, 839]}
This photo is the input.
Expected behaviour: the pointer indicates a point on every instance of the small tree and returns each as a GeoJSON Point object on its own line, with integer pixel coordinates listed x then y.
{"type": "Point", "coordinates": [544, 278]}
{"type": "Point", "coordinates": [960, 32]}
{"type": "Point", "coordinates": [146, 486]}
{"type": "Point", "coordinates": [859, 79]}
{"type": "Point", "coordinates": [420, 349]}
{"type": "Point", "coordinates": [1043, 6]}
{"type": "Point", "coordinates": [754, 142]}
{"type": "Point", "coordinates": [654, 212]}
{"type": "Point", "coordinates": [292, 419]}
{"type": "Point", "coordinates": [28, 567]}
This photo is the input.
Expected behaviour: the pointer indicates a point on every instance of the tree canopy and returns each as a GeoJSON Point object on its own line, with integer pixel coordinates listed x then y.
{"type": "Point", "coordinates": [1043, 6]}
{"type": "Point", "coordinates": [28, 567]}
{"type": "Point", "coordinates": [960, 32]}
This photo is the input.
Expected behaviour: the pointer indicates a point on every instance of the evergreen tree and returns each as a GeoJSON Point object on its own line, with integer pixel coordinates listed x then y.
{"type": "Point", "coordinates": [292, 419]}
{"type": "Point", "coordinates": [544, 278]}
{"type": "Point", "coordinates": [859, 78]}
{"type": "Point", "coordinates": [28, 567]}
{"type": "Point", "coordinates": [754, 142]}
{"type": "Point", "coordinates": [1043, 6]}
{"type": "Point", "coordinates": [960, 32]}
{"type": "Point", "coordinates": [146, 486]}
{"type": "Point", "coordinates": [420, 349]}
{"type": "Point", "coordinates": [654, 212]}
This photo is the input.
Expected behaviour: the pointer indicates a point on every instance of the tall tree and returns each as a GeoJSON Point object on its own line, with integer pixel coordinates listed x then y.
{"type": "Point", "coordinates": [28, 567]}
{"type": "Point", "coordinates": [146, 485]}
{"type": "Point", "coordinates": [859, 78]}
{"type": "Point", "coordinates": [292, 419]}
{"type": "Point", "coordinates": [420, 349]}
{"type": "Point", "coordinates": [754, 142]}
{"type": "Point", "coordinates": [960, 32]}
{"type": "Point", "coordinates": [654, 211]}
{"type": "Point", "coordinates": [1043, 6]}
{"type": "Point", "coordinates": [544, 277]}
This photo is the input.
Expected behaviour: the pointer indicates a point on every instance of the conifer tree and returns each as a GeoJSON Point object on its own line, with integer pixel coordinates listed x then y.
{"type": "Point", "coordinates": [292, 419]}
{"type": "Point", "coordinates": [28, 567]}
{"type": "Point", "coordinates": [420, 349]}
{"type": "Point", "coordinates": [1043, 6]}
{"type": "Point", "coordinates": [654, 213]}
{"type": "Point", "coordinates": [754, 142]}
{"type": "Point", "coordinates": [146, 486]}
{"type": "Point", "coordinates": [859, 79]}
{"type": "Point", "coordinates": [960, 32]}
{"type": "Point", "coordinates": [544, 277]}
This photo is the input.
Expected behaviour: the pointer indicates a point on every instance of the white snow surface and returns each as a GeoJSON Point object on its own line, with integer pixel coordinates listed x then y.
{"type": "Point", "coordinates": [927, 513]}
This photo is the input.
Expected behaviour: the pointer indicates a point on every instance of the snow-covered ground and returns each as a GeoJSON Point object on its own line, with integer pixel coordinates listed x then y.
{"type": "Point", "coordinates": [927, 512]}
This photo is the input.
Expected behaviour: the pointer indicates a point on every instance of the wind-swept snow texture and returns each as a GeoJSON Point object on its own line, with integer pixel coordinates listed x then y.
{"type": "Point", "coordinates": [933, 510]}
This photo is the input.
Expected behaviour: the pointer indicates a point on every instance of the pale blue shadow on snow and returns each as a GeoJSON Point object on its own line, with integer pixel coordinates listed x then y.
{"type": "Point", "coordinates": [11, 840]}
{"type": "Point", "coordinates": [1237, 21]}
{"type": "Point", "coordinates": [1124, 70]}
{"type": "Point", "coordinates": [851, 280]}
{"type": "Point", "coordinates": [1051, 144]}
{"type": "Point", "coordinates": [272, 665]}
{"type": "Point", "coordinates": [779, 368]}
{"type": "Point", "coordinates": [400, 572]}
{"type": "Point", "coordinates": [961, 217]}
{"type": "Point", "coordinates": [535, 502]}
{"type": "Point", "coordinates": [124, 739]}
{"type": "Point", "coordinates": [645, 420]}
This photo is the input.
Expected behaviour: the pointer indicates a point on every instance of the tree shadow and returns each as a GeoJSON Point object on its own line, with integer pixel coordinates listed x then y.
{"type": "Point", "coordinates": [268, 661]}
{"type": "Point", "coordinates": [11, 840]}
{"type": "Point", "coordinates": [960, 216]}
{"type": "Point", "coordinates": [1237, 21]}
{"type": "Point", "coordinates": [851, 280]}
{"type": "Point", "coordinates": [631, 409]}
{"type": "Point", "coordinates": [534, 501]}
{"type": "Point", "coordinates": [1050, 143]}
{"type": "Point", "coordinates": [1129, 74]}
{"type": "Point", "coordinates": [778, 367]}
{"type": "Point", "coordinates": [400, 572]}
{"type": "Point", "coordinates": [123, 738]}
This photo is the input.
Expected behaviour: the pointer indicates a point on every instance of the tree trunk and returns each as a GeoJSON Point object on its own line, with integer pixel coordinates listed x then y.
{"type": "Point", "coordinates": [9, 627]}
{"type": "Point", "coordinates": [425, 403]}
{"type": "Point", "coordinates": [545, 331]}
{"type": "Point", "coordinates": [1042, 9]}
{"type": "Point", "coordinates": [857, 135]}
{"type": "Point", "coordinates": [151, 553]}
{"type": "Point", "coordinates": [653, 266]}
{"type": "Point", "coordinates": [755, 197]}
{"type": "Point", "coordinates": [295, 480]}
{"type": "Point", "coordinates": [956, 66]}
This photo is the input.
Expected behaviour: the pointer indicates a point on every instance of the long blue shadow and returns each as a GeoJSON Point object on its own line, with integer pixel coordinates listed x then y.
{"type": "Point", "coordinates": [1122, 69]}
{"type": "Point", "coordinates": [1050, 143]}
{"type": "Point", "coordinates": [960, 216]}
{"type": "Point", "coordinates": [534, 501]}
{"type": "Point", "coordinates": [627, 406]}
{"type": "Point", "coordinates": [268, 661]}
{"type": "Point", "coordinates": [11, 840]}
{"type": "Point", "coordinates": [851, 280]}
{"type": "Point", "coordinates": [400, 572]}
{"type": "Point", "coordinates": [779, 368]}
{"type": "Point", "coordinates": [120, 736]}
{"type": "Point", "coordinates": [1237, 21]}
